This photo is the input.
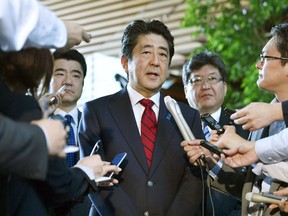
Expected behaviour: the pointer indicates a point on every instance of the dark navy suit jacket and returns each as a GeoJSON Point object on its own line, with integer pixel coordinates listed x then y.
{"type": "Point", "coordinates": [169, 187]}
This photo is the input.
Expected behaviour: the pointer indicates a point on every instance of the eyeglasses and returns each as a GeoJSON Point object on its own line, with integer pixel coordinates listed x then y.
{"type": "Point", "coordinates": [262, 57]}
{"type": "Point", "coordinates": [200, 80]}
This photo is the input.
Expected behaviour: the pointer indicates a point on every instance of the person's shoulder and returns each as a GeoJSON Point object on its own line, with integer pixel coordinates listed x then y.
{"type": "Point", "coordinates": [185, 106]}
{"type": "Point", "coordinates": [104, 99]}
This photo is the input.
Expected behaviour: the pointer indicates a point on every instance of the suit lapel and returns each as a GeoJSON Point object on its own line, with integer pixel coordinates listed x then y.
{"type": "Point", "coordinates": [121, 110]}
{"type": "Point", "coordinates": [164, 134]}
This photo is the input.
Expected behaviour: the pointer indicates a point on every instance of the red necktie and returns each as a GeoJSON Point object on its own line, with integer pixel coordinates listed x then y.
{"type": "Point", "coordinates": [148, 129]}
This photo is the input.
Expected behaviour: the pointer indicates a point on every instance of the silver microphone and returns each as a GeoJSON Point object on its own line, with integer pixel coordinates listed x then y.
{"type": "Point", "coordinates": [174, 109]}
{"type": "Point", "coordinates": [263, 198]}
{"type": "Point", "coordinates": [53, 100]}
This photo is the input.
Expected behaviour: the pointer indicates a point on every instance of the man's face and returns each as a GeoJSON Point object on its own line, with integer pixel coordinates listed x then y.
{"type": "Point", "coordinates": [273, 76]}
{"type": "Point", "coordinates": [68, 72]}
{"type": "Point", "coordinates": [148, 68]}
{"type": "Point", "coordinates": [206, 97]}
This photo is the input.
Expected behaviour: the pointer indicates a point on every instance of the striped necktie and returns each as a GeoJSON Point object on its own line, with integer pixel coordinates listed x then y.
{"type": "Point", "coordinates": [148, 129]}
{"type": "Point", "coordinates": [71, 157]}
{"type": "Point", "coordinates": [206, 131]}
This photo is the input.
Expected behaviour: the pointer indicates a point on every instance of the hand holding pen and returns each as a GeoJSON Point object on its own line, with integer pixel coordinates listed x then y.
{"type": "Point", "coordinates": [50, 104]}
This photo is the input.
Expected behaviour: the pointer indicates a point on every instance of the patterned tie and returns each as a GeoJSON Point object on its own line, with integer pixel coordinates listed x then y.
{"type": "Point", "coordinates": [70, 158]}
{"type": "Point", "coordinates": [206, 131]}
{"type": "Point", "coordinates": [148, 129]}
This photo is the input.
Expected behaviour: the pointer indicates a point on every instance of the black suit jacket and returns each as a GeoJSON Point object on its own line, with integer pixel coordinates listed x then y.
{"type": "Point", "coordinates": [62, 187]}
{"type": "Point", "coordinates": [169, 187]}
{"type": "Point", "coordinates": [14, 137]}
{"type": "Point", "coordinates": [225, 120]}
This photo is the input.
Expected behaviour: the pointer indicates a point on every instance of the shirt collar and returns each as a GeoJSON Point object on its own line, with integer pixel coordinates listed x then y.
{"type": "Point", "coordinates": [73, 113]}
{"type": "Point", "coordinates": [216, 115]}
{"type": "Point", "coordinates": [135, 97]}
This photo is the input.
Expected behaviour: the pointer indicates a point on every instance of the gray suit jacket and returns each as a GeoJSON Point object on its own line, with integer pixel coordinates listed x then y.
{"type": "Point", "coordinates": [23, 149]}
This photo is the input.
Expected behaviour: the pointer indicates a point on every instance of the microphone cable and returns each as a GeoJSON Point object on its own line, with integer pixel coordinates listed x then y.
{"type": "Point", "coordinates": [186, 132]}
{"type": "Point", "coordinates": [202, 163]}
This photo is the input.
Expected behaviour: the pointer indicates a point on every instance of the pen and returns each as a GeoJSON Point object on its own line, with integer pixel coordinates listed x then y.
{"type": "Point", "coordinates": [95, 148]}
{"type": "Point", "coordinates": [53, 100]}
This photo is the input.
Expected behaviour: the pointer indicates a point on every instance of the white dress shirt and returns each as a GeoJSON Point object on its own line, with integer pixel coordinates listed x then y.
{"type": "Point", "coordinates": [138, 109]}
{"type": "Point", "coordinates": [273, 149]}
{"type": "Point", "coordinates": [75, 123]}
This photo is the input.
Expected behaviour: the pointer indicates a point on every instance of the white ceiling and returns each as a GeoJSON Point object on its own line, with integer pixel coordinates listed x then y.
{"type": "Point", "coordinates": [106, 20]}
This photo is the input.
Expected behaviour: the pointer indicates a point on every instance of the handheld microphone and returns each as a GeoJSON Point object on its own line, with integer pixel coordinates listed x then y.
{"type": "Point", "coordinates": [53, 100]}
{"type": "Point", "coordinates": [175, 110]}
{"type": "Point", "coordinates": [263, 198]}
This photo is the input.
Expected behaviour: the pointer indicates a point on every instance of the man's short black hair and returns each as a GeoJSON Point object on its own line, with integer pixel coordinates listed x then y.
{"type": "Point", "coordinates": [74, 55]}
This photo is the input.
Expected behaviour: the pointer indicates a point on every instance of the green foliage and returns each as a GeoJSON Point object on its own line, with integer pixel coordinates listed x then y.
{"type": "Point", "coordinates": [237, 30]}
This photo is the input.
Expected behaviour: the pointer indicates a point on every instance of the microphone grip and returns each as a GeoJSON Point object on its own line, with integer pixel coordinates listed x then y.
{"type": "Point", "coordinates": [52, 101]}
{"type": "Point", "coordinates": [211, 147]}
{"type": "Point", "coordinates": [174, 109]}
{"type": "Point", "coordinates": [263, 198]}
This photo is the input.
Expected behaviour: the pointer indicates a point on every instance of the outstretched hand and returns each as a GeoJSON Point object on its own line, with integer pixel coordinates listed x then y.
{"type": "Point", "coordinates": [75, 35]}
{"type": "Point", "coordinates": [257, 115]}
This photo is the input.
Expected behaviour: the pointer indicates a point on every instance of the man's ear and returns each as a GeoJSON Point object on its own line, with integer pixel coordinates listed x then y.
{"type": "Point", "coordinates": [124, 62]}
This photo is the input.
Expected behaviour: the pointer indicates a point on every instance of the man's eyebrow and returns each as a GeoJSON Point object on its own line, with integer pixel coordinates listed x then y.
{"type": "Point", "coordinates": [73, 71]}
{"type": "Point", "coordinates": [77, 71]}
{"type": "Point", "coordinates": [164, 48]}
{"type": "Point", "coordinates": [59, 69]}
{"type": "Point", "coordinates": [161, 47]}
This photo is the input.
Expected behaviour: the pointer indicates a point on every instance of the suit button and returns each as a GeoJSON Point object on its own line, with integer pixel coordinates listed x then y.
{"type": "Point", "coordinates": [146, 213]}
{"type": "Point", "coordinates": [150, 183]}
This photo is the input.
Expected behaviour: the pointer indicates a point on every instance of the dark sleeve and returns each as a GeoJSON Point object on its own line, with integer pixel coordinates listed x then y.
{"type": "Point", "coordinates": [66, 185]}
{"type": "Point", "coordinates": [285, 111]}
{"type": "Point", "coordinates": [23, 149]}
{"type": "Point", "coordinates": [230, 181]}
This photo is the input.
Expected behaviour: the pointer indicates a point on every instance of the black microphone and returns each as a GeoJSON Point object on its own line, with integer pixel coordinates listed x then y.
{"type": "Point", "coordinates": [263, 198]}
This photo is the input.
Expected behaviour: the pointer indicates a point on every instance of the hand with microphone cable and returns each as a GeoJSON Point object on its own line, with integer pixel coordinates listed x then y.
{"type": "Point", "coordinates": [174, 109]}
{"type": "Point", "coordinates": [194, 151]}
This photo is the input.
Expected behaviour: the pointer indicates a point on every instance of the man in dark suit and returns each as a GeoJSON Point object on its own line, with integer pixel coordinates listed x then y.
{"type": "Point", "coordinates": [70, 70]}
{"type": "Point", "coordinates": [204, 79]}
{"type": "Point", "coordinates": [165, 184]}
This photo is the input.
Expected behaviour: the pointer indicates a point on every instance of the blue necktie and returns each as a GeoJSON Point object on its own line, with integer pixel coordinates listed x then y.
{"type": "Point", "coordinates": [206, 132]}
{"type": "Point", "coordinates": [70, 158]}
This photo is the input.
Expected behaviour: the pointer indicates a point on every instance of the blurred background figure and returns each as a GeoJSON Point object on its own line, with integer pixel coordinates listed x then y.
{"type": "Point", "coordinates": [204, 79]}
